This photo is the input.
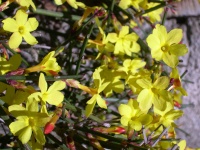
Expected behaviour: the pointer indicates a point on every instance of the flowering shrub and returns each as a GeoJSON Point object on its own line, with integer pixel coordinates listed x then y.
{"type": "Point", "coordinates": [96, 83]}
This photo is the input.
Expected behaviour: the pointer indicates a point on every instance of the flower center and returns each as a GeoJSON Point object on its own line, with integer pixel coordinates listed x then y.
{"type": "Point", "coordinates": [164, 48]}
{"type": "Point", "coordinates": [21, 30]}
{"type": "Point", "coordinates": [31, 122]}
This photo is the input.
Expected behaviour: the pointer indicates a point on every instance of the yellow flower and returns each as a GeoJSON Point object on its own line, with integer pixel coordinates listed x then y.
{"type": "Point", "coordinates": [168, 116]}
{"type": "Point", "coordinates": [132, 66]}
{"type": "Point", "coordinates": [21, 28]}
{"type": "Point", "coordinates": [26, 3]}
{"type": "Point", "coordinates": [153, 93]}
{"type": "Point", "coordinates": [28, 120]}
{"type": "Point", "coordinates": [124, 4]}
{"type": "Point", "coordinates": [125, 43]}
{"type": "Point", "coordinates": [95, 92]}
{"type": "Point", "coordinates": [132, 116]}
{"type": "Point", "coordinates": [12, 64]}
{"type": "Point", "coordinates": [153, 15]}
{"type": "Point", "coordinates": [176, 82]}
{"type": "Point", "coordinates": [110, 76]}
{"type": "Point", "coordinates": [165, 46]}
{"type": "Point", "coordinates": [52, 95]}
{"type": "Point", "coordinates": [72, 3]}
{"type": "Point", "coordinates": [47, 65]}
{"type": "Point", "coordinates": [12, 96]}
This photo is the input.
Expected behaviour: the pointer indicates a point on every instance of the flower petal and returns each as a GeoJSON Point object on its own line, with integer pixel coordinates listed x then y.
{"type": "Point", "coordinates": [161, 83]}
{"type": "Point", "coordinates": [101, 102]}
{"type": "Point", "coordinates": [10, 25]}
{"type": "Point", "coordinates": [118, 47]}
{"type": "Point", "coordinates": [136, 125]}
{"type": "Point", "coordinates": [17, 126]}
{"type": "Point", "coordinates": [31, 24]}
{"type": "Point", "coordinates": [145, 98]}
{"type": "Point", "coordinates": [144, 83]}
{"type": "Point", "coordinates": [55, 98]}
{"type": "Point", "coordinates": [29, 38]}
{"type": "Point", "coordinates": [39, 136]}
{"type": "Point", "coordinates": [124, 31]}
{"type": "Point", "coordinates": [89, 108]}
{"type": "Point", "coordinates": [92, 100]}
{"type": "Point", "coordinates": [32, 105]}
{"type": "Point", "coordinates": [59, 2]}
{"type": "Point", "coordinates": [42, 83]}
{"type": "Point", "coordinates": [15, 108]}
{"type": "Point", "coordinates": [174, 36]}
{"type": "Point", "coordinates": [24, 135]}
{"type": "Point", "coordinates": [112, 37]}
{"type": "Point", "coordinates": [178, 49]}
{"type": "Point", "coordinates": [35, 96]}
{"type": "Point", "coordinates": [160, 32]}
{"type": "Point", "coordinates": [21, 17]}
{"type": "Point", "coordinates": [170, 60]}
{"type": "Point", "coordinates": [124, 120]}
{"type": "Point", "coordinates": [159, 103]}
{"type": "Point", "coordinates": [125, 110]}
{"type": "Point", "coordinates": [124, 4]}
{"type": "Point", "coordinates": [153, 42]}
{"type": "Point", "coordinates": [15, 40]}
{"type": "Point", "coordinates": [57, 86]}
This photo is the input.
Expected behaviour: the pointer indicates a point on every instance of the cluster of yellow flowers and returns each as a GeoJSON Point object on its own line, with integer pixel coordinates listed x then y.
{"type": "Point", "coordinates": [122, 70]}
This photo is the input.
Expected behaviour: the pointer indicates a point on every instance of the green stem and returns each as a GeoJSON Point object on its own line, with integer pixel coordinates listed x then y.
{"type": "Point", "coordinates": [187, 81]}
{"type": "Point", "coordinates": [83, 48]}
{"type": "Point", "coordinates": [184, 73]}
{"type": "Point", "coordinates": [111, 8]}
{"type": "Point", "coordinates": [3, 15]}
{"type": "Point", "coordinates": [73, 35]}
{"type": "Point", "coordinates": [183, 131]}
{"type": "Point", "coordinates": [49, 13]}
{"type": "Point", "coordinates": [55, 14]}
{"type": "Point", "coordinates": [164, 16]}
{"type": "Point", "coordinates": [48, 78]}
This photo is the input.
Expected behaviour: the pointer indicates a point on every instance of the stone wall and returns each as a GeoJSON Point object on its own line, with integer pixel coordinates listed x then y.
{"type": "Point", "coordinates": [188, 18]}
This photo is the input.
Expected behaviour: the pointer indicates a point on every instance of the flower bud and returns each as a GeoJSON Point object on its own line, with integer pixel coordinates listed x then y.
{"type": "Point", "coordinates": [49, 127]}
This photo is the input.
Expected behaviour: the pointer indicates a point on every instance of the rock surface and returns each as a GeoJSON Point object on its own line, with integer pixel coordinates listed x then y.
{"type": "Point", "coordinates": [188, 18]}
